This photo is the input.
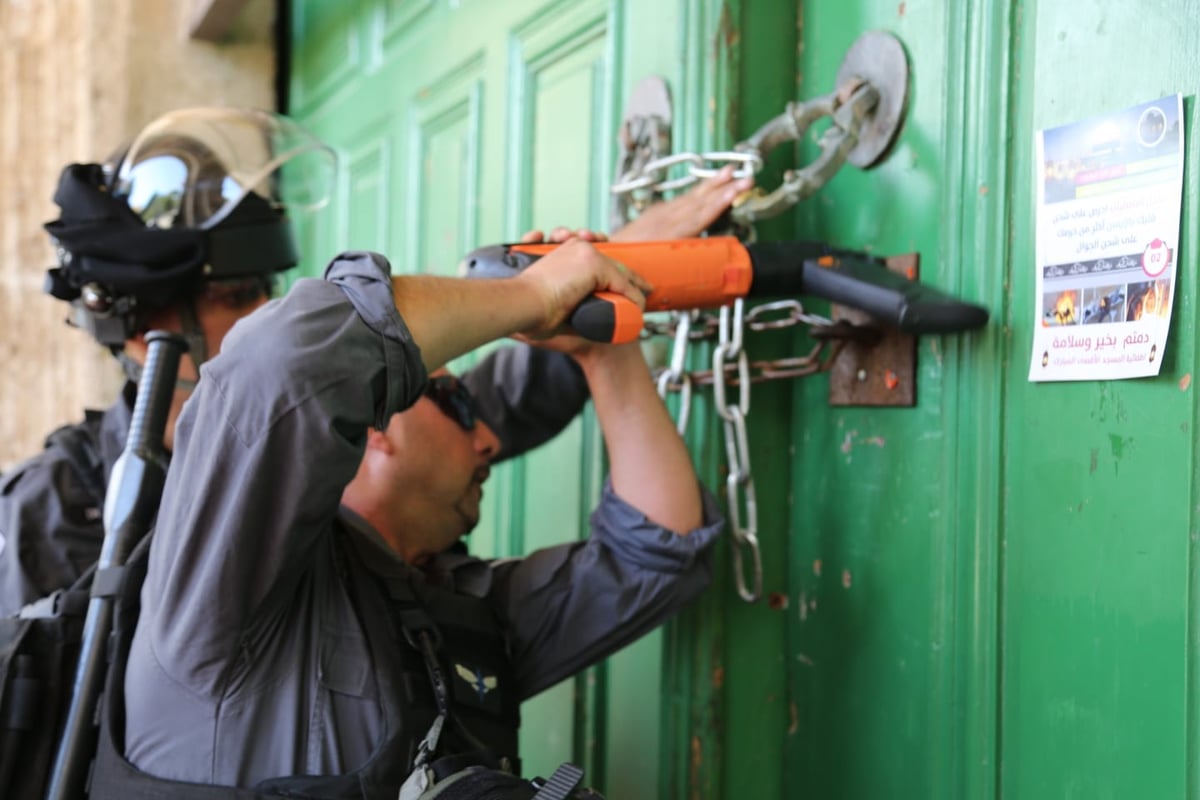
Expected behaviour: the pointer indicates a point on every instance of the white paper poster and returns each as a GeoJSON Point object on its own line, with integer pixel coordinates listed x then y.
{"type": "Point", "coordinates": [1109, 193]}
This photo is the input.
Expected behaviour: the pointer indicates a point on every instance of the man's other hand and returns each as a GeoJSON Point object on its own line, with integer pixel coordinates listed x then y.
{"type": "Point", "coordinates": [689, 213]}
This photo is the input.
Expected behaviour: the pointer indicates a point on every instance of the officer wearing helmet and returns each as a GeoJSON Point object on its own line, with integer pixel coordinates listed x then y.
{"type": "Point", "coordinates": [185, 229]}
{"type": "Point", "coordinates": [248, 503]}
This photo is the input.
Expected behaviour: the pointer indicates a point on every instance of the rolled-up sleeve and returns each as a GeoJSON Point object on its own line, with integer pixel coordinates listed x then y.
{"type": "Point", "coordinates": [264, 448]}
{"type": "Point", "coordinates": [569, 606]}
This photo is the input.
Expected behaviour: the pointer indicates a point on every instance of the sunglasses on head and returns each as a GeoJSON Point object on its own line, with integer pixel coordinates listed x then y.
{"type": "Point", "coordinates": [453, 398]}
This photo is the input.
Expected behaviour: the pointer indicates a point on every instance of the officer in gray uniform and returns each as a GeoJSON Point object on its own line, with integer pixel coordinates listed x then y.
{"type": "Point", "coordinates": [287, 640]}
{"type": "Point", "coordinates": [308, 626]}
{"type": "Point", "coordinates": [130, 266]}
{"type": "Point", "coordinates": [285, 634]}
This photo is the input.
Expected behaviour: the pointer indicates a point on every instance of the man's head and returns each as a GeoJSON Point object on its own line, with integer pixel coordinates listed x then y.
{"type": "Point", "coordinates": [420, 482]}
{"type": "Point", "coordinates": [184, 228]}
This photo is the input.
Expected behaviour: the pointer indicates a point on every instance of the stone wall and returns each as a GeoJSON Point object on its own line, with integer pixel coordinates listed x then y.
{"type": "Point", "coordinates": [76, 78]}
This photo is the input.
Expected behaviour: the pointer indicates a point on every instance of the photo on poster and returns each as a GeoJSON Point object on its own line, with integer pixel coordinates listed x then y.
{"type": "Point", "coordinates": [1103, 304]}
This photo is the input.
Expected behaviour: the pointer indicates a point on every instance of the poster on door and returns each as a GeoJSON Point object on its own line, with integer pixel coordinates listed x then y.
{"type": "Point", "coordinates": [1109, 192]}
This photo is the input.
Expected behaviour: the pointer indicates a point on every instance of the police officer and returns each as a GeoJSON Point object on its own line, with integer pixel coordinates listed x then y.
{"type": "Point", "coordinates": [339, 647]}
{"type": "Point", "coordinates": [184, 230]}
{"type": "Point", "coordinates": [308, 626]}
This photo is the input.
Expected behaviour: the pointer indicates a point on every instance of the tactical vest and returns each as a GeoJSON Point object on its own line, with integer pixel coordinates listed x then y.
{"type": "Point", "coordinates": [401, 615]}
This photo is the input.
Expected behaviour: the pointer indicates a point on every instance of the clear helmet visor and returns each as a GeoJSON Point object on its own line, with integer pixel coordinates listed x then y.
{"type": "Point", "coordinates": [191, 168]}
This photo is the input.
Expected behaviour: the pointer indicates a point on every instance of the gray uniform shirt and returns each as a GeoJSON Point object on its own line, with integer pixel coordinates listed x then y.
{"type": "Point", "coordinates": [51, 507]}
{"type": "Point", "coordinates": [246, 662]}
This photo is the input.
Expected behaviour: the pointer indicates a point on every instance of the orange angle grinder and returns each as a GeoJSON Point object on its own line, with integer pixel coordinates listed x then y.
{"type": "Point", "coordinates": [714, 271]}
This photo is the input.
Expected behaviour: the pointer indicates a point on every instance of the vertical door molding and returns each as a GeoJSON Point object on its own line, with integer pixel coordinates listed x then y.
{"type": "Point", "coordinates": [557, 34]}
{"type": "Point", "coordinates": [445, 114]}
{"type": "Point", "coordinates": [964, 744]}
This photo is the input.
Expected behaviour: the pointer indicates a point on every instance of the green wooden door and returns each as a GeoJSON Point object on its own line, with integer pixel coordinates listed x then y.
{"type": "Point", "coordinates": [986, 596]}
{"type": "Point", "coordinates": [466, 123]}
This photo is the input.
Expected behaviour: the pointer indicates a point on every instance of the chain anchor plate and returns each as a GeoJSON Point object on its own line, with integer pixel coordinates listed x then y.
{"type": "Point", "coordinates": [881, 369]}
{"type": "Point", "coordinates": [877, 58]}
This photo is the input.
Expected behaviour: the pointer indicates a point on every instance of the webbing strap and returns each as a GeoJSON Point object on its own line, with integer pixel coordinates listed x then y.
{"type": "Point", "coordinates": [422, 634]}
{"type": "Point", "coordinates": [561, 784]}
{"type": "Point", "coordinates": [60, 603]}
{"type": "Point", "coordinates": [108, 581]}
{"type": "Point", "coordinates": [23, 701]}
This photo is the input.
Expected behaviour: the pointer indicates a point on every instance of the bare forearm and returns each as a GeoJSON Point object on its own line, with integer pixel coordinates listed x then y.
{"type": "Point", "coordinates": [651, 467]}
{"type": "Point", "coordinates": [449, 317]}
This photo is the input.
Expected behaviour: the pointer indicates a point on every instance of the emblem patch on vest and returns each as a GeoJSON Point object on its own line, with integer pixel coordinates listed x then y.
{"type": "Point", "coordinates": [479, 688]}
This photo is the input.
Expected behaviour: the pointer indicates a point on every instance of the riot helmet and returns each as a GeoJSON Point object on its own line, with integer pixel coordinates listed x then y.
{"type": "Point", "coordinates": [199, 194]}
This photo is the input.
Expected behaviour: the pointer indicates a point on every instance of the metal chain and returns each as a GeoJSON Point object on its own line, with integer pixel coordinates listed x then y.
{"type": "Point", "coordinates": [644, 181]}
{"type": "Point", "coordinates": [730, 361]}
{"type": "Point", "coordinates": [818, 359]}
{"type": "Point", "coordinates": [644, 178]}
{"type": "Point", "coordinates": [674, 378]}
{"type": "Point", "coordinates": [704, 325]}
{"type": "Point", "coordinates": [847, 109]}
{"type": "Point", "coordinates": [739, 483]}
{"type": "Point", "coordinates": [653, 175]}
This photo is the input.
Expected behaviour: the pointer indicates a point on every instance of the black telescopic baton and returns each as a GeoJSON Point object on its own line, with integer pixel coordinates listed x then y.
{"type": "Point", "coordinates": [130, 506]}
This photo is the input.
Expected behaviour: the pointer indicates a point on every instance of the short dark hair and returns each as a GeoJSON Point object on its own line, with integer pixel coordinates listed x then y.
{"type": "Point", "coordinates": [238, 293]}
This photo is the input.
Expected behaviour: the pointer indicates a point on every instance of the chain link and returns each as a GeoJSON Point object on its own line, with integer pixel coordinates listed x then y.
{"type": "Point", "coordinates": [674, 377]}
{"type": "Point", "coordinates": [796, 315]}
{"type": "Point", "coordinates": [739, 483]}
{"type": "Point", "coordinates": [653, 175]}
{"type": "Point", "coordinates": [704, 325]}
{"type": "Point", "coordinates": [847, 110]}
{"type": "Point", "coordinates": [644, 180]}
{"type": "Point", "coordinates": [818, 359]}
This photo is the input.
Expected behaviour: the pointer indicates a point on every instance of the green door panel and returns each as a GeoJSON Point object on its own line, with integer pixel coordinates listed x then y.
{"type": "Point", "coordinates": [1099, 586]}
{"type": "Point", "coordinates": [1006, 571]}
{"type": "Point", "coordinates": [871, 559]}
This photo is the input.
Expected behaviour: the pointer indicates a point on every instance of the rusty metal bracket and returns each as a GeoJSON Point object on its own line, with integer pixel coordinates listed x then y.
{"type": "Point", "coordinates": [879, 373]}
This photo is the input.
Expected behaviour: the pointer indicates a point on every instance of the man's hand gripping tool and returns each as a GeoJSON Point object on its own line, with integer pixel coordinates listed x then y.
{"type": "Point", "coordinates": [715, 271]}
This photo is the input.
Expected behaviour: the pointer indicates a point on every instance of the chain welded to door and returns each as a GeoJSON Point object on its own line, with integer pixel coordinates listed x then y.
{"type": "Point", "coordinates": [865, 113]}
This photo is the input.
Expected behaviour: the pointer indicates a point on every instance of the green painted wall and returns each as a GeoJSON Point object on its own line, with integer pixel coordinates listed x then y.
{"type": "Point", "coordinates": [987, 596]}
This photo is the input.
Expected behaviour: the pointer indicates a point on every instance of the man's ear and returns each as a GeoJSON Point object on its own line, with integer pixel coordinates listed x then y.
{"type": "Point", "coordinates": [378, 440]}
{"type": "Point", "coordinates": [136, 347]}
